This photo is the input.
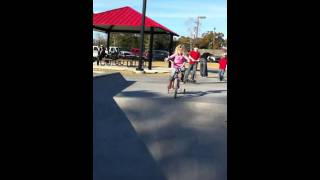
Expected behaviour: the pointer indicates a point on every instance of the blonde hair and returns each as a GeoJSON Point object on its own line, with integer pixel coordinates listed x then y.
{"type": "Point", "coordinates": [180, 49]}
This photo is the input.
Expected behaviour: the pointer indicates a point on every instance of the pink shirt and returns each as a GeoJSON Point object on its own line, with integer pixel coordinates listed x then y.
{"type": "Point", "coordinates": [178, 60]}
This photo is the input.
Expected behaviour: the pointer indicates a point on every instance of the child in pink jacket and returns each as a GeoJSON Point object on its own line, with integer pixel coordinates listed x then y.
{"type": "Point", "coordinates": [179, 60]}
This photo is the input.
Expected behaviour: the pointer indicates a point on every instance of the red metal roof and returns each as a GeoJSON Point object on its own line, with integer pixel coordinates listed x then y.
{"type": "Point", "coordinates": [125, 18]}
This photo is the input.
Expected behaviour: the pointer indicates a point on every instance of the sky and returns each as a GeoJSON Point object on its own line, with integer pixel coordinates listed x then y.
{"type": "Point", "coordinates": [176, 14]}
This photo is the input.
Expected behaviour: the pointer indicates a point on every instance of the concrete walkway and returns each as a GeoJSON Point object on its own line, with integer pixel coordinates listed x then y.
{"type": "Point", "coordinates": [142, 133]}
{"type": "Point", "coordinates": [155, 70]}
{"type": "Point", "coordinates": [132, 69]}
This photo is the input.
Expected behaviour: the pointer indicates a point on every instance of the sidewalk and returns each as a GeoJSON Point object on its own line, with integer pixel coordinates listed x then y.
{"type": "Point", "coordinates": [154, 70]}
{"type": "Point", "coordinates": [158, 68]}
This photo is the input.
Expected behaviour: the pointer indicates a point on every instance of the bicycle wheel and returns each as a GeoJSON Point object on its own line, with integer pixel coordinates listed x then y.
{"type": "Point", "coordinates": [175, 85]}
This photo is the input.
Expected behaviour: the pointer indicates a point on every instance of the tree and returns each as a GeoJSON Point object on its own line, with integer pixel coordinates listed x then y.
{"type": "Point", "coordinates": [218, 41]}
{"type": "Point", "coordinates": [161, 41]}
{"type": "Point", "coordinates": [185, 41]}
{"type": "Point", "coordinates": [95, 43]}
{"type": "Point", "coordinates": [128, 40]}
{"type": "Point", "coordinates": [174, 42]}
{"type": "Point", "coordinates": [100, 40]}
{"type": "Point", "coordinates": [212, 40]}
{"type": "Point", "coordinates": [131, 40]}
{"type": "Point", "coordinates": [225, 43]}
{"type": "Point", "coordinates": [205, 42]}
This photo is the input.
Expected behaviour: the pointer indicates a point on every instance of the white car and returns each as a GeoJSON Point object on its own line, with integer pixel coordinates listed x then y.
{"type": "Point", "coordinates": [126, 54]}
{"type": "Point", "coordinates": [214, 58]}
{"type": "Point", "coordinates": [112, 50]}
{"type": "Point", "coordinates": [211, 59]}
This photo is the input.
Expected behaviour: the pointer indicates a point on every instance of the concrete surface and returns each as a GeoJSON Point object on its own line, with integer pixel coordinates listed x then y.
{"type": "Point", "coordinates": [143, 133]}
{"type": "Point", "coordinates": [105, 68]}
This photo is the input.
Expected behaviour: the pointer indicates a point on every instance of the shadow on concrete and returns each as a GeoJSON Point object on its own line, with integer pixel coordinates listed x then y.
{"type": "Point", "coordinates": [169, 97]}
{"type": "Point", "coordinates": [202, 93]}
{"type": "Point", "coordinates": [118, 152]}
{"type": "Point", "coordinates": [215, 82]}
{"type": "Point", "coordinates": [187, 140]}
{"type": "Point", "coordinates": [141, 94]}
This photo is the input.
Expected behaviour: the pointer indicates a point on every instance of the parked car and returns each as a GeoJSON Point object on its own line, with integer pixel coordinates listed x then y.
{"type": "Point", "coordinates": [126, 55]}
{"type": "Point", "coordinates": [160, 54]}
{"type": "Point", "coordinates": [213, 58]}
{"type": "Point", "coordinates": [96, 52]}
{"type": "Point", "coordinates": [113, 50]}
{"type": "Point", "coordinates": [157, 54]}
{"type": "Point", "coordinates": [135, 51]}
{"type": "Point", "coordinates": [123, 49]}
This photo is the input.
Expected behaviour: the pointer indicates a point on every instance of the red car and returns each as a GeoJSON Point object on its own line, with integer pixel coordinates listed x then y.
{"type": "Point", "coordinates": [135, 51]}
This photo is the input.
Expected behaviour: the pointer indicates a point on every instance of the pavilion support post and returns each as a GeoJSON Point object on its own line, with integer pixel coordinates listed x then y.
{"type": "Point", "coordinates": [150, 50]}
{"type": "Point", "coordinates": [142, 36]}
{"type": "Point", "coordinates": [170, 48]}
{"type": "Point", "coordinates": [108, 41]}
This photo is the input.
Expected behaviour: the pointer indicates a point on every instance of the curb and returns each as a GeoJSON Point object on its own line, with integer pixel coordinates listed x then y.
{"type": "Point", "coordinates": [146, 71]}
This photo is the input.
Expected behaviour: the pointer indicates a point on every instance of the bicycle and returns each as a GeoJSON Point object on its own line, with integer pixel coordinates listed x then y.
{"type": "Point", "coordinates": [176, 81]}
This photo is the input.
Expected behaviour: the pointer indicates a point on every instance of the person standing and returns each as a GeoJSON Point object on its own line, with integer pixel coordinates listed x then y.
{"type": "Point", "coordinates": [203, 64]}
{"type": "Point", "coordinates": [194, 57]}
{"type": "Point", "coordinates": [102, 53]}
{"type": "Point", "coordinates": [99, 52]}
{"type": "Point", "coordinates": [222, 66]}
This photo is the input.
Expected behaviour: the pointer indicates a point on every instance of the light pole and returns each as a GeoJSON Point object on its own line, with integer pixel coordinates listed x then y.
{"type": "Point", "coordinates": [192, 38]}
{"type": "Point", "coordinates": [213, 37]}
{"type": "Point", "coordinates": [196, 31]}
{"type": "Point", "coordinates": [198, 23]}
{"type": "Point", "coordinates": [142, 35]}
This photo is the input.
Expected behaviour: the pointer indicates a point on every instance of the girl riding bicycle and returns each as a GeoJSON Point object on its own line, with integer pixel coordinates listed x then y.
{"type": "Point", "coordinates": [179, 60]}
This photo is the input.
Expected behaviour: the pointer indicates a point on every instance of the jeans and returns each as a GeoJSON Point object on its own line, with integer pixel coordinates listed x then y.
{"type": "Point", "coordinates": [192, 68]}
{"type": "Point", "coordinates": [203, 68]}
{"type": "Point", "coordinates": [221, 73]}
